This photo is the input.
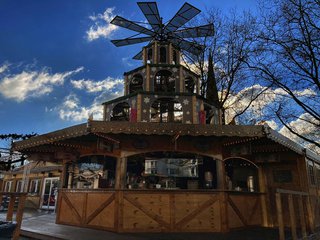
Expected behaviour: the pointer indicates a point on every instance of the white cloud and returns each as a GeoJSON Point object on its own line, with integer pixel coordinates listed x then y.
{"type": "Point", "coordinates": [31, 83]}
{"type": "Point", "coordinates": [102, 27]}
{"type": "Point", "coordinates": [73, 110]}
{"type": "Point", "coordinates": [98, 86]}
{"type": "Point", "coordinates": [4, 67]}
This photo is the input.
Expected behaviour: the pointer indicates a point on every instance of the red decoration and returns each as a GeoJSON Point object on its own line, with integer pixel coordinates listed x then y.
{"type": "Point", "coordinates": [133, 115]}
{"type": "Point", "coordinates": [202, 117]}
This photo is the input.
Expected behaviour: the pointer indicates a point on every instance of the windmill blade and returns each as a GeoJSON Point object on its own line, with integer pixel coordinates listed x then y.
{"type": "Point", "coordinates": [190, 47]}
{"type": "Point", "coordinates": [200, 31]}
{"type": "Point", "coordinates": [184, 15]}
{"type": "Point", "coordinates": [138, 56]}
{"type": "Point", "coordinates": [150, 11]}
{"type": "Point", "coordinates": [122, 22]}
{"type": "Point", "coordinates": [129, 41]}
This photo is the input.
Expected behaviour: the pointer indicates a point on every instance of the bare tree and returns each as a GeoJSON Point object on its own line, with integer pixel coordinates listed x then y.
{"type": "Point", "coordinates": [288, 56]}
{"type": "Point", "coordinates": [227, 53]}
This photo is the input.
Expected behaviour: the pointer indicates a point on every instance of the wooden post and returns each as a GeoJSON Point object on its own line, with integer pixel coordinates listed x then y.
{"type": "Point", "coordinates": [19, 216]}
{"type": "Point", "coordinates": [121, 171]}
{"type": "Point", "coordinates": [302, 217]}
{"type": "Point", "coordinates": [221, 176]}
{"type": "Point", "coordinates": [310, 214]}
{"type": "Point", "coordinates": [292, 218]}
{"type": "Point", "coordinates": [224, 212]}
{"type": "Point", "coordinates": [280, 217]}
{"type": "Point", "coordinates": [262, 188]}
{"type": "Point", "coordinates": [10, 207]}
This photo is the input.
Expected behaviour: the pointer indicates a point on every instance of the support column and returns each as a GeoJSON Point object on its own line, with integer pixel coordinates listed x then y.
{"type": "Point", "coordinates": [221, 175]}
{"type": "Point", "coordinates": [263, 189]}
{"type": "Point", "coordinates": [121, 172]}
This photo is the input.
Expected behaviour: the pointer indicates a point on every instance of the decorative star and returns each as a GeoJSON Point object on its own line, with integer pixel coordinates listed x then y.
{"type": "Point", "coordinates": [144, 110]}
{"type": "Point", "coordinates": [185, 101]}
{"type": "Point", "coordinates": [146, 100]}
{"type": "Point", "coordinates": [133, 102]}
{"type": "Point", "coordinates": [176, 96]}
{"type": "Point", "coordinates": [188, 113]}
{"type": "Point", "coordinates": [153, 69]}
{"type": "Point", "coordinates": [174, 70]}
{"type": "Point", "coordinates": [188, 122]}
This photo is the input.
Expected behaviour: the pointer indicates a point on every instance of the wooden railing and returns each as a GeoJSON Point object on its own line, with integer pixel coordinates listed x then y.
{"type": "Point", "coordinates": [20, 198]}
{"type": "Point", "coordinates": [305, 214]}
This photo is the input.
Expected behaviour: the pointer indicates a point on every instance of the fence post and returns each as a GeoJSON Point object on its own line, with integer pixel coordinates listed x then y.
{"type": "Point", "coordinates": [280, 216]}
{"type": "Point", "coordinates": [292, 218]}
{"type": "Point", "coordinates": [19, 216]}
{"type": "Point", "coordinates": [302, 217]}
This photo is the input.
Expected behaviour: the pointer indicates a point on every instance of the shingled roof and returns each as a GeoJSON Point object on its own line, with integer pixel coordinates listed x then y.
{"type": "Point", "coordinates": [142, 128]}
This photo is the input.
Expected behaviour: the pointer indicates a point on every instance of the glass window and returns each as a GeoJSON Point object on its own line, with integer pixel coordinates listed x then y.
{"type": "Point", "coordinates": [7, 186]}
{"type": "Point", "coordinates": [20, 186]}
{"type": "Point", "coordinates": [170, 170]}
{"type": "Point", "coordinates": [34, 187]}
{"type": "Point", "coordinates": [92, 172]}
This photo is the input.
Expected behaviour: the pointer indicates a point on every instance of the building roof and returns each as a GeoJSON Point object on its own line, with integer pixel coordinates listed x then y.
{"type": "Point", "coordinates": [142, 128]}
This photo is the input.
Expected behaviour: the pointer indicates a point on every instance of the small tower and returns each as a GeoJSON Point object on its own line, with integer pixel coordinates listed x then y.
{"type": "Point", "coordinates": [162, 90]}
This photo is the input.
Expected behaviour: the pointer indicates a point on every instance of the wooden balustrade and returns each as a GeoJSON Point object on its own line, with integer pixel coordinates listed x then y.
{"type": "Point", "coordinates": [302, 213]}
{"type": "Point", "coordinates": [20, 198]}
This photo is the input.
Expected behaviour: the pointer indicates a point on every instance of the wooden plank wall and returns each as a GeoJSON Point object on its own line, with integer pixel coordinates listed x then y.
{"type": "Point", "coordinates": [160, 211]}
{"type": "Point", "coordinates": [87, 209]}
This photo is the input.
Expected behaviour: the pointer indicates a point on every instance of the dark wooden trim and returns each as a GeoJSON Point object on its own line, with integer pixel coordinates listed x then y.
{"type": "Point", "coordinates": [10, 207]}
{"type": "Point", "coordinates": [280, 217]}
{"type": "Point", "coordinates": [84, 209]}
{"type": "Point", "coordinates": [292, 218]}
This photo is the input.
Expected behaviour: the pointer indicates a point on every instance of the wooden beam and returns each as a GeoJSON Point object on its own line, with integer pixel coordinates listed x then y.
{"type": "Point", "coordinates": [19, 216]}
{"type": "Point", "coordinates": [10, 207]}
{"type": "Point", "coordinates": [310, 215]}
{"type": "Point", "coordinates": [121, 173]}
{"type": "Point", "coordinates": [280, 217]}
{"type": "Point", "coordinates": [292, 218]}
{"type": "Point", "coordinates": [302, 217]}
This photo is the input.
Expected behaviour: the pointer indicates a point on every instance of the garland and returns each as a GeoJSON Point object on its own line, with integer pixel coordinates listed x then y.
{"type": "Point", "coordinates": [15, 136]}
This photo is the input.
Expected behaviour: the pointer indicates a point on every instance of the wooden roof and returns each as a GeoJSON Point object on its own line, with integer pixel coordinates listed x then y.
{"type": "Point", "coordinates": [142, 128]}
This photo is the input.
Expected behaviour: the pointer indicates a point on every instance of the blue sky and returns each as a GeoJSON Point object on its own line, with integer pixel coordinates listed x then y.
{"type": "Point", "coordinates": [57, 63]}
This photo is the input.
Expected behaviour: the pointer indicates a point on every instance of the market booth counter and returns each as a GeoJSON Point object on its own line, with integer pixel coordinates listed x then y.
{"type": "Point", "coordinates": [169, 192]}
{"type": "Point", "coordinates": [157, 210]}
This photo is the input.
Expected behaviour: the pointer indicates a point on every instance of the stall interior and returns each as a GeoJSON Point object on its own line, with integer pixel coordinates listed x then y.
{"type": "Point", "coordinates": [241, 175]}
{"type": "Point", "coordinates": [91, 172]}
{"type": "Point", "coordinates": [171, 170]}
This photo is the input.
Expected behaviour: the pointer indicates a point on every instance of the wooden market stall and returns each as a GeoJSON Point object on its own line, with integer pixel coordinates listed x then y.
{"type": "Point", "coordinates": [161, 160]}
